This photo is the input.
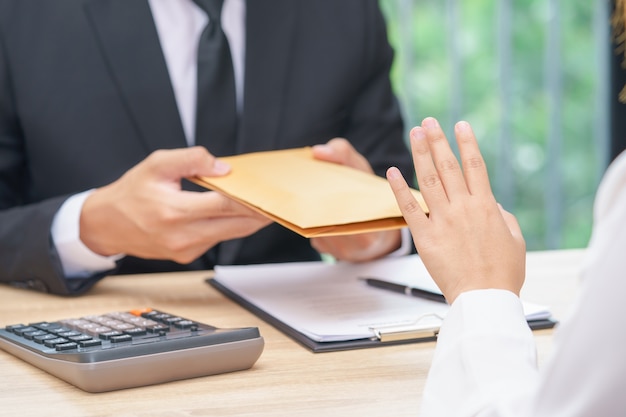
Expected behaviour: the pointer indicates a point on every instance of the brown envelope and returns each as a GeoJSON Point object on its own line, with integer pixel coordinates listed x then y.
{"type": "Point", "coordinates": [311, 197]}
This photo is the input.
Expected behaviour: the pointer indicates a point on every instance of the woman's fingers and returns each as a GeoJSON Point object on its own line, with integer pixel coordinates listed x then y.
{"type": "Point", "coordinates": [474, 167]}
{"type": "Point", "coordinates": [426, 173]}
{"type": "Point", "coordinates": [444, 160]}
{"type": "Point", "coordinates": [410, 208]}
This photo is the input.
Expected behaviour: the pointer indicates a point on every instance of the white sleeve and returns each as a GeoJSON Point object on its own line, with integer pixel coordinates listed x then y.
{"type": "Point", "coordinates": [485, 355]}
{"type": "Point", "coordinates": [77, 260]}
{"type": "Point", "coordinates": [484, 363]}
{"type": "Point", "coordinates": [586, 374]}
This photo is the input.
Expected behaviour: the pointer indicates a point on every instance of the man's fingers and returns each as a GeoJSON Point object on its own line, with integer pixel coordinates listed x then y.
{"type": "Point", "coordinates": [340, 151]}
{"type": "Point", "coordinates": [186, 242]}
{"type": "Point", "coordinates": [186, 163]}
{"type": "Point", "coordinates": [211, 204]}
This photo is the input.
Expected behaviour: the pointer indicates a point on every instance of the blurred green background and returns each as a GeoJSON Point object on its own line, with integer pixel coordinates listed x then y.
{"type": "Point", "coordinates": [532, 78]}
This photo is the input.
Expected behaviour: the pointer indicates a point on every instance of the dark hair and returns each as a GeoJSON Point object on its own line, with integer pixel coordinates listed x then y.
{"type": "Point", "coordinates": [618, 21]}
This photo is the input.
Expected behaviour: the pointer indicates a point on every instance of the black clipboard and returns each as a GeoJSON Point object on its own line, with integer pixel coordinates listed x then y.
{"type": "Point", "coordinates": [425, 335]}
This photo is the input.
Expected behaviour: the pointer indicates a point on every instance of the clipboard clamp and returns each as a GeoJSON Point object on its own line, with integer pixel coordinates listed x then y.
{"type": "Point", "coordinates": [426, 326]}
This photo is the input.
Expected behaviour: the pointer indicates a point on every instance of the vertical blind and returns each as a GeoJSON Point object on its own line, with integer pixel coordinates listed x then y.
{"type": "Point", "coordinates": [532, 77]}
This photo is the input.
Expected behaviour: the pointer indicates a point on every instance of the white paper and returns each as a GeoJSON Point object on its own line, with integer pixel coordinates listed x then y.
{"type": "Point", "coordinates": [328, 302]}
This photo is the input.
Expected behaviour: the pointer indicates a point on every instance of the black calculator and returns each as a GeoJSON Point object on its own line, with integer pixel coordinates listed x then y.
{"type": "Point", "coordinates": [128, 349]}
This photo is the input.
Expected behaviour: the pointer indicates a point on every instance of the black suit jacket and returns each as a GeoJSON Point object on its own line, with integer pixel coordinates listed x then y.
{"type": "Point", "coordinates": [85, 95]}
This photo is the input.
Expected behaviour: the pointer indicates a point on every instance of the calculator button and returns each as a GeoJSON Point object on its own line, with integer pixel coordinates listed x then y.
{"type": "Point", "coordinates": [184, 324]}
{"type": "Point", "coordinates": [121, 338]}
{"type": "Point", "coordinates": [30, 335]}
{"type": "Point", "coordinates": [21, 330]}
{"type": "Point", "coordinates": [150, 314]}
{"type": "Point", "coordinates": [46, 326]}
{"type": "Point", "coordinates": [140, 321]}
{"type": "Point", "coordinates": [60, 329]}
{"type": "Point", "coordinates": [72, 323]}
{"type": "Point", "coordinates": [110, 334]}
{"type": "Point", "coordinates": [96, 329]}
{"type": "Point", "coordinates": [53, 342]}
{"type": "Point", "coordinates": [122, 327]}
{"type": "Point", "coordinates": [90, 343]}
{"type": "Point", "coordinates": [70, 333]}
{"type": "Point", "coordinates": [13, 327]}
{"type": "Point", "coordinates": [66, 346]}
{"type": "Point", "coordinates": [80, 338]}
{"type": "Point", "coordinates": [158, 328]}
{"type": "Point", "coordinates": [41, 339]}
{"type": "Point", "coordinates": [135, 331]}
{"type": "Point", "coordinates": [139, 312]}
{"type": "Point", "coordinates": [162, 317]}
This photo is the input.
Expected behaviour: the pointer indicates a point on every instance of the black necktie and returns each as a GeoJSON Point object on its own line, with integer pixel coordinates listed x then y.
{"type": "Point", "coordinates": [216, 114]}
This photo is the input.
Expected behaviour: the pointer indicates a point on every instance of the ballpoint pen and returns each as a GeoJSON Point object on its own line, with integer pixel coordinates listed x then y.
{"type": "Point", "coordinates": [414, 292]}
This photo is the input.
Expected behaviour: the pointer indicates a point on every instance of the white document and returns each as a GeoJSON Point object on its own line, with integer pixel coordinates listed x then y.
{"type": "Point", "coordinates": [329, 302]}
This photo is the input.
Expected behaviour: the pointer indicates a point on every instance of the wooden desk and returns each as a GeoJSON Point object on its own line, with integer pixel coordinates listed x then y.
{"type": "Point", "coordinates": [288, 380]}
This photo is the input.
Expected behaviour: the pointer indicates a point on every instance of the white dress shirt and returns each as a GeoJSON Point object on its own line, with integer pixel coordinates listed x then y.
{"type": "Point", "coordinates": [485, 362]}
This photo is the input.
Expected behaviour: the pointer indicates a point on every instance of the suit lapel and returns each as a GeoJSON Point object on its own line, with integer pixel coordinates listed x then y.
{"type": "Point", "coordinates": [131, 47]}
{"type": "Point", "coordinates": [269, 40]}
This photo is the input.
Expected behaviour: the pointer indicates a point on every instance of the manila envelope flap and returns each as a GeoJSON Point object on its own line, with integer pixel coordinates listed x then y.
{"type": "Point", "coordinates": [311, 197]}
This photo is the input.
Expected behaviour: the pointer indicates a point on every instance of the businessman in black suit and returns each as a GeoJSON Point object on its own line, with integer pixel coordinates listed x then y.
{"type": "Point", "coordinates": [97, 119]}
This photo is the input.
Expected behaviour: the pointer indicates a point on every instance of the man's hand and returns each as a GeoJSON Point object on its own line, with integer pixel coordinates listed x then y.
{"type": "Point", "coordinates": [354, 248]}
{"type": "Point", "coordinates": [468, 241]}
{"type": "Point", "coordinates": [146, 214]}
